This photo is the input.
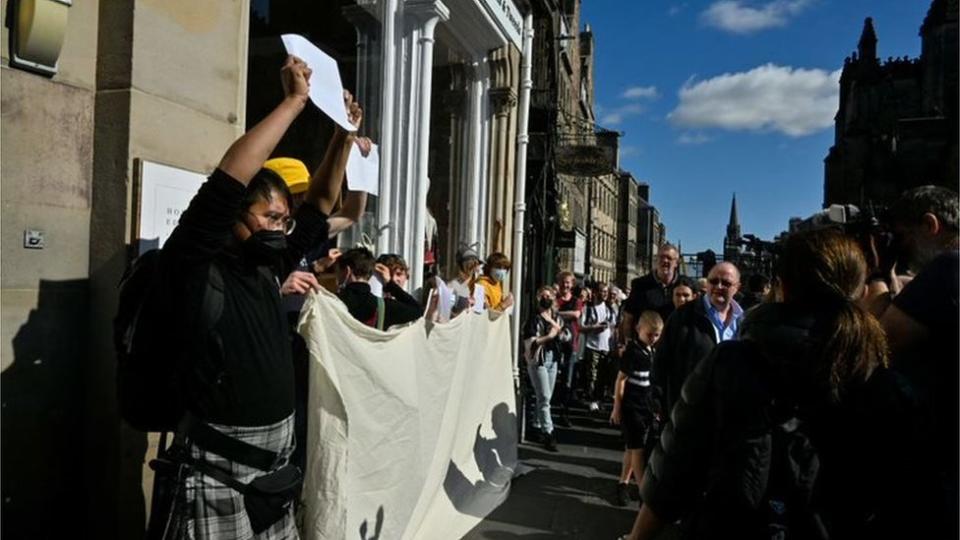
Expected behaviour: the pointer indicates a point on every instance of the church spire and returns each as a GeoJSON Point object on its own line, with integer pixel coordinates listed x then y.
{"type": "Point", "coordinates": [867, 46]}
{"type": "Point", "coordinates": [734, 217]}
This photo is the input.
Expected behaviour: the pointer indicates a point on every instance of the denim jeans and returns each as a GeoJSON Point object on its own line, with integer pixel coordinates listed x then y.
{"type": "Point", "coordinates": [543, 377]}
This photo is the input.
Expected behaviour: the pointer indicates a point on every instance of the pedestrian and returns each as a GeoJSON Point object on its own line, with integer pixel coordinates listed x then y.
{"type": "Point", "coordinates": [758, 287]}
{"type": "Point", "coordinates": [542, 354]}
{"type": "Point", "coordinates": [468, 271]}
{"type": "Point", "coordinates": [694, 330]}
{"type": "Point", "coordinates": [596, 325]}
{"type": "Point", "coordinates": [634, 408]}
{"type": "Point", "coordinates": [652, 291]}
{"type": "Point", "coordinates": [683, 292]}
{"type": "Point", "coordinates": [570, 307]}
{"type": "Point", "coordinates": [778, 433]}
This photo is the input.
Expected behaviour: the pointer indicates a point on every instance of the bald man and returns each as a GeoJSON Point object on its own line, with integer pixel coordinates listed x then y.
{"type": "Point", "coordinates": [694, 330]}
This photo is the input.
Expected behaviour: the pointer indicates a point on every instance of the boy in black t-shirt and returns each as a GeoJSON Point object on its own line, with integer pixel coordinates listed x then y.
{"type": "Point", "coordinates": [633, 406]}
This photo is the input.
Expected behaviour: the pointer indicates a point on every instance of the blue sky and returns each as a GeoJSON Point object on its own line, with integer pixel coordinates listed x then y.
{"type": "Point", "coordinates": [717, 97]}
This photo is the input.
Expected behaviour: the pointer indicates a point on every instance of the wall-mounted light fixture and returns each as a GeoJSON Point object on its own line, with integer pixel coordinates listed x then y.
{"type": "Point", "coordinates": [37, 29]}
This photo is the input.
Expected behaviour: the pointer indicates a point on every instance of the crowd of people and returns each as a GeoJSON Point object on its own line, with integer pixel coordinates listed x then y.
{"type": "Point", "coordinates": [778, 411]}
{"type": "Point", "coordinates": [844, 361]}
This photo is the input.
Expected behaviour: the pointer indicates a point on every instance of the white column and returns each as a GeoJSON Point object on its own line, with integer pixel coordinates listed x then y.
{"type": "Point", "coordinates": [520, 191]}
{"type": "Point", "coordinates": [471, 214]}
{"type": "Point", "coordinates": [429, 13]}
{"type": "Point", "coordinates": [387, 122]}
{"type": "Point", "coordinates": [482, 218]}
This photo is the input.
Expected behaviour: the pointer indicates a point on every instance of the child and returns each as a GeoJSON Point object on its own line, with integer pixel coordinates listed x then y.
{"type": "Point", "coordinates": [632, 408]}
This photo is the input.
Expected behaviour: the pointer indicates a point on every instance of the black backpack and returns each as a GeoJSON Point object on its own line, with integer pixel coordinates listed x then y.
{"type": "Point", "coordinates": [144, 331]}
{"type": "Point", "coordinates": [793, 468]}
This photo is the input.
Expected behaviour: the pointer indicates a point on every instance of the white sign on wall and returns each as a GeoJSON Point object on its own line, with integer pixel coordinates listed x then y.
{"type": "Point", "coordinates": [165, 192]}
{"type": "Point", "coordinates": [508, 18]}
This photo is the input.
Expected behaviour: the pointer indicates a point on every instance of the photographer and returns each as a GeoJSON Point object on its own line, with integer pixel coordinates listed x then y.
{"type": "Point", "coordinates": [921, 321]}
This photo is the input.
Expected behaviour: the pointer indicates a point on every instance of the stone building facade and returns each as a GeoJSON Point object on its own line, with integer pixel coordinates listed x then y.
{"type": "Point", "coordinates": [174, 83]}
{"type": "Point", "coordinates": [896, 125]}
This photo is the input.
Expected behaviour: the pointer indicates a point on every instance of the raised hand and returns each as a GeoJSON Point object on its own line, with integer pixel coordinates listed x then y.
{"type": "Point", "coordinates": [365, 145]}
{"type": "Point", "coordinates": [299, 283]}
{"type": "Point", "coordinates": [354, 112]}
{"type": "Point", "coordinates": [295, 76]}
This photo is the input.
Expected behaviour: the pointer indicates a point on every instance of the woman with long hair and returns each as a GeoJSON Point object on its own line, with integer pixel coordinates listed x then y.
{"type": "Point", "coordinates": [790, 432]}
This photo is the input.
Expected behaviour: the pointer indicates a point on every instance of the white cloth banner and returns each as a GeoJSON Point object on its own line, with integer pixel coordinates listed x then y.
{"type": "Point", "coordinates": [412, 432]}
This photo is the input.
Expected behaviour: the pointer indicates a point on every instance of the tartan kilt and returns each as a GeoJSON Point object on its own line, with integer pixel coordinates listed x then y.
{"type": "Point", "coordinates": [206, 509]}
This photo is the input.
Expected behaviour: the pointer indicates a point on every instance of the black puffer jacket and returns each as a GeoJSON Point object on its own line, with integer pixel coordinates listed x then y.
{"type": "Point", "coordinates": [687, 339]}
{"type": "Point", "coordinates": [710, 466]}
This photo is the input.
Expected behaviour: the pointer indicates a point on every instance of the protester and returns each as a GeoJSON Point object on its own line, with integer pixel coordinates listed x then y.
{"type": "Point", "coordinates": [596, 323]}
{"type": "Point", "coordinates": [399, 271]}
{"type": "Point", "coordinates": [542, 353]}
{"type": "Point", "coordinates": [570, 308]}
{"type": "Point", "coordinates": [652, 291]}
{"type": "Point", "coordinates": [800, 417]}
{"type": "Point", "coordinates": [633, 407]}
{"type": "Point", "coordinates": [354, 269]}
{"type": "Point", "coordinates": [468, 271]}
{"type": "Point", "coordinates": [921, 326]}
{"type": "Point", "coordinates": [238, 382]}
{"type": "Point", "coordinates": [323, 189]}
{"type": "Point", "coordinates": [693, 331]}
{"type": "Point", "coordinates": [495, 273]}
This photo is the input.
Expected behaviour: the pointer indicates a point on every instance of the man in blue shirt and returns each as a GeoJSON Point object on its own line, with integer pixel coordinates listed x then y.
{"type": "Point", "coordinates": [723, 311]}
{"type": "Point", "coordinates": [693, 331]}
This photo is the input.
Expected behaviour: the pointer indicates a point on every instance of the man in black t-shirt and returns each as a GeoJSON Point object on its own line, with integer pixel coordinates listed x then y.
{"type": "Point", "coordinates": [921, 326]}
{"type": "Point", "coordinates": [652, 291]}
{"type": "Point", "coordinates": [354, 269]}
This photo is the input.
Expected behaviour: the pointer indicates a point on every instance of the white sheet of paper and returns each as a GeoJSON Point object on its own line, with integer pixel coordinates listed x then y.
{"type": "Point", "coordinates": [446, 300]}
{"type": "Point", "coordinates": [479, 299]}
{"type": "Point", "coordinates": [363, 173]}
{"type": "Point", "coordinates": [326, 89]}
{"type": "Point", "coordinates": [376, 287]}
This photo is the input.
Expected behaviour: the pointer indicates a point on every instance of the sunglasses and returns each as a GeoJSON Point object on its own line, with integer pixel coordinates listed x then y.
{"type": "Point", "coordinates": [718, 281]}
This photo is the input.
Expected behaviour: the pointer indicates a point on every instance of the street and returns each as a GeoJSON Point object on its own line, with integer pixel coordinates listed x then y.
{"type": "Point", "coordinates": [569, 494]}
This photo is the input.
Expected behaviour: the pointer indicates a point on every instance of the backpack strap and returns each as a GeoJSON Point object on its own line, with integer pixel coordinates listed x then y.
{"type": "Point", "coordinates": [381, 312]}
{"type": "Point", "coordinates": [211, 308]}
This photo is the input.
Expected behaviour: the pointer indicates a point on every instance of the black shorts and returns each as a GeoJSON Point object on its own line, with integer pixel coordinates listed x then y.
{"type": "Point", "coordinates": [638, 426]}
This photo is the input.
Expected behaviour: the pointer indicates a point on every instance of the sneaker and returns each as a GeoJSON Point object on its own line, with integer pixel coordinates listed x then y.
{"type": "Point", "coordinates": [594, 406]}
{"type": "Point", "coordinates": [550, 442]}
{"type": "Point", "coordinates": [623, 494]}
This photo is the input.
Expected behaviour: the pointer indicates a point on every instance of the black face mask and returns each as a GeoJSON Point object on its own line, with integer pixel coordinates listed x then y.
{"type": "Point", "coordinates": [546, 303]}
{"type": "Point", "coordinates": [265, 247]}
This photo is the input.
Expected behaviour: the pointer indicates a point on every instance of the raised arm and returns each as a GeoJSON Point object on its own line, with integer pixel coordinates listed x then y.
{"type": "Point", "coordinates": [248, 153]}
{"type": "Point", "coordinates": [327, 180]}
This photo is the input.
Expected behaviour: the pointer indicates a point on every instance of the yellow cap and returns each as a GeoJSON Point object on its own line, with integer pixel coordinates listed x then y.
{"type": "Point", "coordinates": [293, 172]}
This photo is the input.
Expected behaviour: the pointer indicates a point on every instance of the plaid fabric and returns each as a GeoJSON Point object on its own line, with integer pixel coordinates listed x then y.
{"type": "Point", "coordinates": [207, 509]}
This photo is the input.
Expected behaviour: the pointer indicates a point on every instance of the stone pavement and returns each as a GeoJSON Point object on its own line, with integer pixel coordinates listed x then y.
{"type": "Point", "coordinates": [569, 494]}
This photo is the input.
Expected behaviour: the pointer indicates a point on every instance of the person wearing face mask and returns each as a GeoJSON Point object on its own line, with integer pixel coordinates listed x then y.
{"type": "Point", "coordinates": [542, 355]}
{"type": "Point", "coordinates": [354, 269]}
{"type": "Point", "coordinates": [237, 380]}
{"type": "Point", "coordinates": [496, 270]}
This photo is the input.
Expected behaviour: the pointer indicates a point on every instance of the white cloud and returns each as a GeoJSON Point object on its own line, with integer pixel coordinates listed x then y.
{"type": "Point", "coordinates": [641, 92]}
{"type": "Point", "coordinates": [693, 138]}
{"type": "Point", "coordinates": [616, 115]}
{"type": "Point", "coordinates": [793, 101]}
{"type": "Point", "coordinates": [740, 18]}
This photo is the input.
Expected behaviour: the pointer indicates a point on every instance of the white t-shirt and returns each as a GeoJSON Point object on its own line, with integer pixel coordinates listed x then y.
{"type": "Point", "coordinates": [592, 315]}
